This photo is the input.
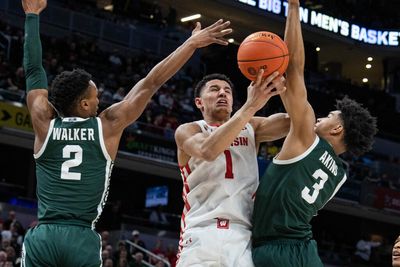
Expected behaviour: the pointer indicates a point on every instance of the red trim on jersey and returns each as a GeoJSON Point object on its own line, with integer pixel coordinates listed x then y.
{"type": "Point", "coordinates": [189, 171]}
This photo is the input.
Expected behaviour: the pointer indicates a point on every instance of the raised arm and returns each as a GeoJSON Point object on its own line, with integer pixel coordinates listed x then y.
{"type": "Point", "coordinates": [121, 114]}
{"type": "Point", "coordinates": [270, 128]}
{"type": "Point", "coordinates": [36, 80]}
{"type": "Point", "coordinates": [192, 142]}
{"type": "Point", "coordinates": [301, 134]}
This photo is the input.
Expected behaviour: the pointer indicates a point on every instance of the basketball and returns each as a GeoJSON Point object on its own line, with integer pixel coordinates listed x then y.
{"type": "Point", "coordinates": [262, 50]}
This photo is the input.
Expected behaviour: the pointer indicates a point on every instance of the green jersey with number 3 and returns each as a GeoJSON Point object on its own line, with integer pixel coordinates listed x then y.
{"type": "Point", "coordinates": [73, 170]}
{"type": "Point", "coordinates": [292, 191]}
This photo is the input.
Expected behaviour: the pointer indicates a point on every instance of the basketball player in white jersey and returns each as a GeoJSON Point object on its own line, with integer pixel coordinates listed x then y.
{"type": "Point", "coordinates": [217, 158]}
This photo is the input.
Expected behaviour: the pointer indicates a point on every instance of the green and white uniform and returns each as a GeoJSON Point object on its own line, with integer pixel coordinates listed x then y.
{"type": "Point", "coordinates": [290, 193]}
{"type": "Point", "coordinates": [73, 170]}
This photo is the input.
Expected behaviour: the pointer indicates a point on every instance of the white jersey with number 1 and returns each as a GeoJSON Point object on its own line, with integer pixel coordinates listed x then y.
{"type": "Point", "coordinates": [220, 193]}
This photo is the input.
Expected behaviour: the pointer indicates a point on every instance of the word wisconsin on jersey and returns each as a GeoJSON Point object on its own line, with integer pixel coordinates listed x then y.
{"type": "Point", "coordinates": [74, 134]}
{"type": "Point", "coordinates": [240, 141]}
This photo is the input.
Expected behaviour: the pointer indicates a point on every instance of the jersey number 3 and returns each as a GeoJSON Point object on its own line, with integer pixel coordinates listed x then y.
{"type": "Point", "coordinates": [305, 194]}
{"type": "Point", "coordinates": [70, 163]}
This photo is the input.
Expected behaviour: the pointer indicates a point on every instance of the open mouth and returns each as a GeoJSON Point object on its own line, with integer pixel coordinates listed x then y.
{"type": "Point", "coordinates": [222, 102]}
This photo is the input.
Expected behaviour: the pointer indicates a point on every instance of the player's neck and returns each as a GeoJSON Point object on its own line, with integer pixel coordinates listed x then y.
{"type": "Point", "coordinates": [337, 145]}
{"type": "Point", "coordinates": [215, 121]}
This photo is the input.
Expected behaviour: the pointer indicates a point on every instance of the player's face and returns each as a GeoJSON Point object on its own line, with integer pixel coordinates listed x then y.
{"type": "Point", "coordinates": [216, 98]}
{"type": "Point", "coordinates": [92, 99]}
{"type": "Point", "coordinates": [396, 253]}
{"type": "Point", "coordinates": [328, 125]}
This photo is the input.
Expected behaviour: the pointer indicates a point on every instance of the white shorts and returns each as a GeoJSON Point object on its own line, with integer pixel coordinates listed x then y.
{"type": "Point", "coordinates": [210, 246]}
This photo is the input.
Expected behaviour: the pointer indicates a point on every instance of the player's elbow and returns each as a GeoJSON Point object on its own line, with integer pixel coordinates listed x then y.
{"type": "Point", "coordinates": [208, 154]}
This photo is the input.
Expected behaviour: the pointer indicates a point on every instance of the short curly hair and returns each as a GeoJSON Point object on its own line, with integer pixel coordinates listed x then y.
{"type": "Point", "coordinates": [215, 76]}
{"type": "Point", "coordinates": [67, 89]}
{"type": "Point", "coordinates": [359, 126]}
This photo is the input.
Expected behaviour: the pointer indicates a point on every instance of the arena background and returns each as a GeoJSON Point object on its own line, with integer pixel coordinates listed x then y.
{"type": "Point", "coordinates": [119, 41]}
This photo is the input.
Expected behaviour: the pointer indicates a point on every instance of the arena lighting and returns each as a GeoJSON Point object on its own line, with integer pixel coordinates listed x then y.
{"type": "Point", "coordinates": [368, 66]}
{"type": "Point", "coordinates": [192, 17]}
{"type": "Point", "coordinates": [318, 49]}
{"type": "Point", "coordinates": [365, 80]}
{"type": "Point", "coordinates": [231, 40]}
{"type": "Point", "coordinates": [109, 7]}
{"type": "Point", "coordinates": [370, 59]}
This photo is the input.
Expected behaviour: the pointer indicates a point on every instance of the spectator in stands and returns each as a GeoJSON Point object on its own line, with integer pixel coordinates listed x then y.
{"type": "Point", "coordinates": [135, 238]}
{"type": "Point", "coordinates": [170, 254]}
{"type": "Point", "coordinates": [110, 250]}
{"type": "Point", "coordinates": [12, 219]}
{"type": "Point", "coordinates": [138, 260]}
{"type": "Point", "coordinates": [363, 250]}
{"type": "Point", "coordinates": [121, 248]}
{"type": "Point", "coordinates": [124, 258]}
{"type": "Point", "coordinates": [396, 253]}
{"type": "Point", "coordinates": [119, 94]}
{"type": "Point", "coordinates": [105, 254]}
{"type": "Point", "coordinates": [72, 103]}
{"type": "Point", "coordinates": [158, 250]}
{"type": "Point", "coordinates": [105, 237]}
{"type": "Point", "coordinates": [157, 216]}
{"type": "Point", "coordinates": [165, 99]}
{"type": "Point", "coordinates": [108, 263]}
{"type": "Point", "coordinates": [11, 255]}
{"type": "Point", "coordinates": [3, 257]}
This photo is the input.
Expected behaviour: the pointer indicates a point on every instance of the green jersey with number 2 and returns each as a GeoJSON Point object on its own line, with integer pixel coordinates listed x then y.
{"type": "Point", "coordinates": [292, 191]}
{"type": "Point", "coordinates": [73, 170]}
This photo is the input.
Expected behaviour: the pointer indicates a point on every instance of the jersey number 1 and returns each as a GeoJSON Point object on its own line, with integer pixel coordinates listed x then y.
{"type": "Point", "coordinates": [74, 162]}
{"type": "Point", "coordinates": [229, 170]}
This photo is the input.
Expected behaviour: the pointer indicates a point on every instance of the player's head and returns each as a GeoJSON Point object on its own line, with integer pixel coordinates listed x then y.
{"type": "Point", "coordinates": [73, 93]}
{"type": "Point", "coordinates": [396, 253]}
{"type": "Point", "coordinates": [351, 125]}
{"type": "Point", "coordinates": [214, 95]}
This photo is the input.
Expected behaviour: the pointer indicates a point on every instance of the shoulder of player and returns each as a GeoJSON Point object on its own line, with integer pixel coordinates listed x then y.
{"type": "Point", "coordinates": [187, 129]}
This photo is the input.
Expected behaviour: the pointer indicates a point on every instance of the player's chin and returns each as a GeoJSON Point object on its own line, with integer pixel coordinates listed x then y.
{"type": "Point", "coordinates": [396, 261]}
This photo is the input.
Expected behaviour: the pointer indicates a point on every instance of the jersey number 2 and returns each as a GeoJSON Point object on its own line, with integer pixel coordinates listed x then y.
{"type": "Point", "coordinates": [229, 170]}
{"type": "Point", "coordinates": [74, 162]}
{"type": "Point", "coordinates": [305, 194]}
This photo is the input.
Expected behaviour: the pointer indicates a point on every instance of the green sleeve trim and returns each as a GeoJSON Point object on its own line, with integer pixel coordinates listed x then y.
{"type": "Point", "coordinates": [34, 72]}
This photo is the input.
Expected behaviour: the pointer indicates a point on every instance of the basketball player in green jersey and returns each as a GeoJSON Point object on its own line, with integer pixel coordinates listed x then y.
{"type": "Point", "coordinates": [307, 172]}
{"type": "Point", "coordinates": [74, 149]}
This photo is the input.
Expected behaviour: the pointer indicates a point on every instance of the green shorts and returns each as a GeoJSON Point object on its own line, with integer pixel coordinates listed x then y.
{"type": "Point", "coordinates": [287, 252]}
{"type": "Point", "coordinates": [56, 245]}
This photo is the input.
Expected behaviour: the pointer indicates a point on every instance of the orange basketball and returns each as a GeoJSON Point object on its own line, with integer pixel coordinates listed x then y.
{"type": "Point", "coordinates": [262, 50]}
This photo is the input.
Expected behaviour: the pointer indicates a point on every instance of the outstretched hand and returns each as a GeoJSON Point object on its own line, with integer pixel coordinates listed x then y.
{"type": "Point", "coordinates": [34, 6]}
{"type": "Point", "coordinates": [262, 89]}
{"type": "Point", "coordinates": [213, 34]}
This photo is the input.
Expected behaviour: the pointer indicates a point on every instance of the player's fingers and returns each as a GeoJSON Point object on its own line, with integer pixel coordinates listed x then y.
{"type": "Point", "coordinates": [222, 26]}
{"type": "Point", "coordinates": [220, 41]}
{"type": "Point", "coordinates": [197, 28]}
{"type": "Point", "coordinates": [259, 76]}
{"type": "Point", "coordinates": [270, 78]}
{"type": "Point", "coordinates": [222, 33]}
{"type": "Point", "coordinates": [215, 24]}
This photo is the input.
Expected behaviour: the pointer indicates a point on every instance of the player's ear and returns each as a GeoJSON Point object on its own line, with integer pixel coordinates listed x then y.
{"type": "Point", "coordinates": [84, 104]}
{"type": "Point", "coordinates": [337, 130]}
{"type": "Point", "coordinates": [199, 103]}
